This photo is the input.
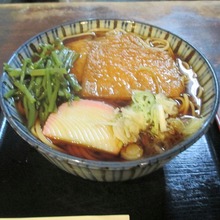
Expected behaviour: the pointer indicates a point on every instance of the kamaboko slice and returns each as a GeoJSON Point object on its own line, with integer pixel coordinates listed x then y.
{"type": "Point", "coordinates": [83, 123]}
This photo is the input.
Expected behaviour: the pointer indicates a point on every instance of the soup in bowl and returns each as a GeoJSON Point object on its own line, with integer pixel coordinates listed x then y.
{"type": "Point", "coordinates": [109, 100]}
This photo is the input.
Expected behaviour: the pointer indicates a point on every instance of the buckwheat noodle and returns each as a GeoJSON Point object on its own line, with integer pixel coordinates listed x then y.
{"type": "Point", "coordinates": [186, 106]}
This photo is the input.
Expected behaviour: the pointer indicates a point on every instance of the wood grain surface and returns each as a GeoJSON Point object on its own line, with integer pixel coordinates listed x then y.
{"type": "Point", "coordinates": [186, 188]}
{"type": "Point", "coordinates": [196, 22]}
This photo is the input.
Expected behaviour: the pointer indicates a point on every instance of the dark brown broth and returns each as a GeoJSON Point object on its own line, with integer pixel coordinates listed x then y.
{"type": "Point", "coordinates": [146, 141]}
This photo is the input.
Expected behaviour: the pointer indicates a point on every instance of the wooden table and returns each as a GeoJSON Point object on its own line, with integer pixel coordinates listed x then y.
{"type": "Point", "coordinates": [186, 188]}
{"type": "Point", "coordinates": [196, 22]}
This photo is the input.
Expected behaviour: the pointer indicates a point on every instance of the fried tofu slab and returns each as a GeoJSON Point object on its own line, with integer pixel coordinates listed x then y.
{"type": "Point", "coordinates": [110, 67]}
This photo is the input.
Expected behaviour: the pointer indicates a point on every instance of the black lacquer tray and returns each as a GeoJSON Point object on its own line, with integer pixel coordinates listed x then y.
{"type": "Point", "coordinates": [188, 187]}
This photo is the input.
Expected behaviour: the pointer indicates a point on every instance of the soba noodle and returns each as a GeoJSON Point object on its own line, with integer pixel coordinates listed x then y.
{"type": "Point", "coordinates": [186, 106]}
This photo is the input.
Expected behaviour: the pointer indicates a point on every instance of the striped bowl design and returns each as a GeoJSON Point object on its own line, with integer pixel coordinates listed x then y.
{"type": "Point", "coordinates": [113, 171]}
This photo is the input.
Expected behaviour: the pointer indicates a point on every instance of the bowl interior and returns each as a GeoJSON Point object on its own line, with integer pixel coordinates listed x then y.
{"type": "Point", "coordinates": [183, 49]}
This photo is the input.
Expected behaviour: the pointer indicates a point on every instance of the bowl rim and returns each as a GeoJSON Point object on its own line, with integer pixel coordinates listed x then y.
{"type": "Point", "coordinates": [43, 148]}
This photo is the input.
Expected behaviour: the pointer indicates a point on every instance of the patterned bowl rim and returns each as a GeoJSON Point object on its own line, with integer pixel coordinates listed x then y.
{"type": "Point", "coordinates": [44, 149]}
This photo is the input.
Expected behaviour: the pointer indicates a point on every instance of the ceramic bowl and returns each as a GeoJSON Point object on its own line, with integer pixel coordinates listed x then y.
{"type": "Point", "coordinates": [114, 171]}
